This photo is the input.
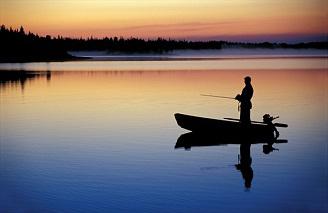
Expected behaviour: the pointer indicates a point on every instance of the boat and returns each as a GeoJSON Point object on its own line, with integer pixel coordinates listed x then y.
{"type": "Point", "coordinates": [212, 126]}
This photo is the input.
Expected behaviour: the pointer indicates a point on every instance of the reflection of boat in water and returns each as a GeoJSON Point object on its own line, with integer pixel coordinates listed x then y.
{"type": "Point", "coordinates": [228, 127]}
{"type": "Point", "coordinates": [193, 139]}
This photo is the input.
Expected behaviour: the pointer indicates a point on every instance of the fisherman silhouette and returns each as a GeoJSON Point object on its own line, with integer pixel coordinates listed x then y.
{"type": "Point", "coordinates": [245, 101]}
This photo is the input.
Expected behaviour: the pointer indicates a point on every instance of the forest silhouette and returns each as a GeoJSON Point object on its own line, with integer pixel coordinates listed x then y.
{"type": "Point", "coordinates": [19, 46]}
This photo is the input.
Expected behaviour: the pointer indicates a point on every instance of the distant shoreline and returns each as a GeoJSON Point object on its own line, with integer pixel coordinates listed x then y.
{"type": "Point", "coordinates": [32, 60]}
{"type": "Point", "coordinates": [17, 46]}
{"type": "Point", "coordinates": [161, 58]}
{"type": "Point", "coordinates": [145, 58]}
{"type": "Point", "coordinates": [153, 57]}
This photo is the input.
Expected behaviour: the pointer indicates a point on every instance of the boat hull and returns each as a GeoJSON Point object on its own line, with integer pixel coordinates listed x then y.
{"type": "Point", "coordinates": [211, 126]}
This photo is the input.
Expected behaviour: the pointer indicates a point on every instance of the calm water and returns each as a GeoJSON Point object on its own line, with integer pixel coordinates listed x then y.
{"type": "Point", "coordinates": [100, 136]}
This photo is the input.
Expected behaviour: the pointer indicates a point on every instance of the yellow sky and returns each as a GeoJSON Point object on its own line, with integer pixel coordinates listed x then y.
{"type": "Point", "coordinates": [169, 18]}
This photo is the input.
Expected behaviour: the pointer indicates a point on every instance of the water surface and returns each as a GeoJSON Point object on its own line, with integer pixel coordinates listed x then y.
{"type": "Point", "coordinates": [79, 138]}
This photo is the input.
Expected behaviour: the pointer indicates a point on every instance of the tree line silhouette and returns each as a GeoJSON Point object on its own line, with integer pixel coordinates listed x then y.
{"type": "Point", "coordinates": [17, 45]}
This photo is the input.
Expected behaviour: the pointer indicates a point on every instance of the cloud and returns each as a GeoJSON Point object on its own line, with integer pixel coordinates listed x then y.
{"type": "Point", "coordinates": [178, 27]}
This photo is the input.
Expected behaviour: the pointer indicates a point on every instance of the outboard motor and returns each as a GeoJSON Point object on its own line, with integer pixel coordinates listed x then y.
{"type": "Point", "coordinates": [267, 119]}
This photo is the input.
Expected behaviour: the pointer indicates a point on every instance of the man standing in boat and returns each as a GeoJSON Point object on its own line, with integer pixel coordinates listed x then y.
{"type": "Point", "coordinates": [245, 101]}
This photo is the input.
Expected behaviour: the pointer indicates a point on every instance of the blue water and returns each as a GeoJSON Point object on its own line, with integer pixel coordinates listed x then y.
{"type": "Point", "coordinates": [103, 141]}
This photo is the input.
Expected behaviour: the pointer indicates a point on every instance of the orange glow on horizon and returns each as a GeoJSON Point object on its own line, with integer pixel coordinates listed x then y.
{"type": "Point", "coordinates": [169, 19]}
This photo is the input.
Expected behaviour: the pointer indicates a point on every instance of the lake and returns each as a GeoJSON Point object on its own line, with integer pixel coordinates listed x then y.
{"type": "Point", "coordinates": [95, 136]}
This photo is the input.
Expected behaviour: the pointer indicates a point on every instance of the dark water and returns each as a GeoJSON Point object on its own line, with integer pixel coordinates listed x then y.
{"type": "Point", "coordinates": [95, 141]}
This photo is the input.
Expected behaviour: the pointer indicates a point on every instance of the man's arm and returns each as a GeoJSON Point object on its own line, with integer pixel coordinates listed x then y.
{"type": "Point", "coordinates": [238, 98]}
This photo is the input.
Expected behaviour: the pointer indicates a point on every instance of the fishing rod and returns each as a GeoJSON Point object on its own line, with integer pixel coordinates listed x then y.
{"type": "Point", "coordinates": [218, 96]}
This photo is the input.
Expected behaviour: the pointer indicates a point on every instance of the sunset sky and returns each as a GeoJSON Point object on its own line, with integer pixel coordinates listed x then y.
{"type": "Point", "coordinates": [237, 20]}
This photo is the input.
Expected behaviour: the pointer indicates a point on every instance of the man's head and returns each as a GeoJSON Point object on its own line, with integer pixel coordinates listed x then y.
{"type": "Point", "coordinates": [247, 80]}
